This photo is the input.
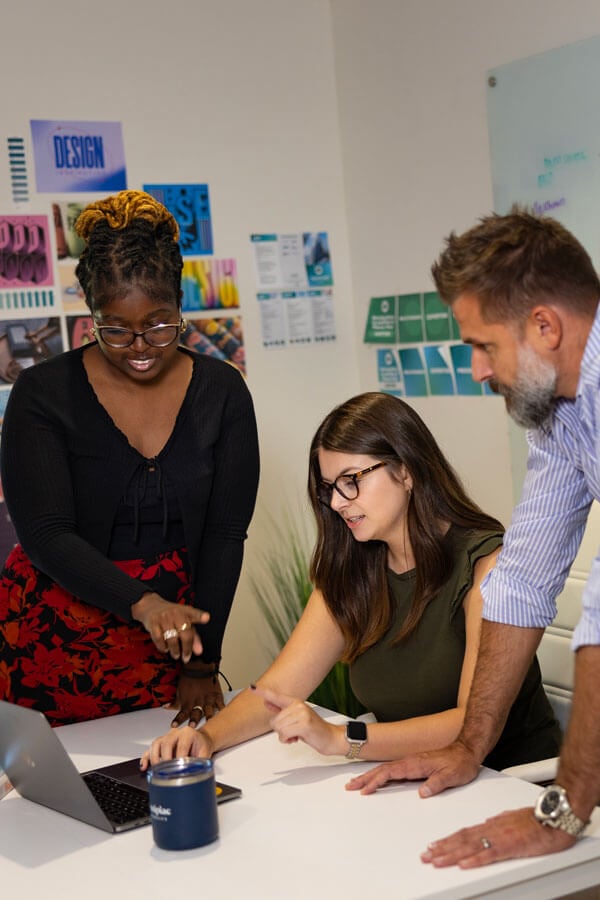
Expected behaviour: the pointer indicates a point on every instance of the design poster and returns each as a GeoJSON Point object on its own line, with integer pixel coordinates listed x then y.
{"type": "Point", "coordinates": [78, 156]}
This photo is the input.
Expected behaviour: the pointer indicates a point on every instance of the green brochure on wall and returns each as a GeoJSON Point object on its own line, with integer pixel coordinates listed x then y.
{"type": "Point", "coordinates": [382, 321]}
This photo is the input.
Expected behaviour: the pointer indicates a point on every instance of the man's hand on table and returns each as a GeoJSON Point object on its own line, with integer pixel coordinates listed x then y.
{"type": "Point", "coordinates": [450, 767]}
{"type": "Point", "coordinates": [509, 835]}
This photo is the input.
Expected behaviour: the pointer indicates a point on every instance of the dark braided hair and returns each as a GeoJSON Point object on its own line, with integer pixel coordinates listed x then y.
{"type": "Point", "coordinates": [131, 241]}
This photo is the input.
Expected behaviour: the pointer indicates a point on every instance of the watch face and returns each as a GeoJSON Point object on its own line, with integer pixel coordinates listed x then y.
{"type": "Point", "coordinates": [550, 802]}
{"type": "Point", "coordinates": [356, 731]}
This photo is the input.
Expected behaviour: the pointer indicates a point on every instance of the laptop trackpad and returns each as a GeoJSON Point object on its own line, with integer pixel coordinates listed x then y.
{"type": "Point", "coordinates": [128, 772]}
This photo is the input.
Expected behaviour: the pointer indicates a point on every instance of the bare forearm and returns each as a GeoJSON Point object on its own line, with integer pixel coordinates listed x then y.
{"type": "Point", "coordinates": [393, 740]}
{"type": "Point", "coordinates": [505, 654]}
{"type": "Point", "coordinates": [579, 768]}
{"type": "Point", "coordinates": [244, 718]}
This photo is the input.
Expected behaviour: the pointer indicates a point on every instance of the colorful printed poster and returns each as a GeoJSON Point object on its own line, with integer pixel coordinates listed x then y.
{"type": "Point", "coordinates": [317, 258]}
{"type": "Point", "coordinates": [25, 258]}
{"type": "Point", "coordinates": [209, 284]}
{"type": "Point", "coordinates": [296, 261]}
{"type": "Point", "coordinates": [25, 342]}
{"type": "Point", "coordinates": [73, 299]}
{"type": "Point", "coordinates": [190, 205]}
{"type": "Point", "coordinates": [221, 338]}
{"type": "Point", "coordinates": [78, 156]}
{"type": "Point", "coordinates": [79, 331]}
{"type": "Point", "coordinates": [64, 215]}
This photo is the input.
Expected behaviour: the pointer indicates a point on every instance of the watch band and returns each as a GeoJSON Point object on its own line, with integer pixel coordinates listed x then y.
{"type": "Point", "coordinates": [354, 749]}
{"type": "Point", "coordinates": [569, 822]}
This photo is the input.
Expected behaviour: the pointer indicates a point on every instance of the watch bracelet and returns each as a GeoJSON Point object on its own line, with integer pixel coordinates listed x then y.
{"type": "Point", "coordinates": [568, 822]}
{"type": "Point", "coordinates": [354, 749]}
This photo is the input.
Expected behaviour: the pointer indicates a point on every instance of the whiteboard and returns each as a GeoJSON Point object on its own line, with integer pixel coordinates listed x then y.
{"type": "Point", "coordinates": [544, 128]}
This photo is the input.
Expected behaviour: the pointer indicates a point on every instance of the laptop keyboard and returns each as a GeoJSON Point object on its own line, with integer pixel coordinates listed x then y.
{"type": "Point", "coordinates": [121, 803]}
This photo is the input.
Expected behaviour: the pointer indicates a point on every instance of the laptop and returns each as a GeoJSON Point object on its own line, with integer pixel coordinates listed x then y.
{"type": "Point", "coordinates": [113, 798]}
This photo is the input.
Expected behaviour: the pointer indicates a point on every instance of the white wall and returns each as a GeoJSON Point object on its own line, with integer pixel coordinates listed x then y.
{"type": "Point", "coordinates": [412, 98]}
{"type": "Point", "coordinates": [364, 118]}
{"type": "Point", "coordinates": [239, 95]}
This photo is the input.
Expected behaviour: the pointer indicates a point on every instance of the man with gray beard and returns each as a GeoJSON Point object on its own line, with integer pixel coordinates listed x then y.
{"type": "Point", "coordinates": [525, 295]}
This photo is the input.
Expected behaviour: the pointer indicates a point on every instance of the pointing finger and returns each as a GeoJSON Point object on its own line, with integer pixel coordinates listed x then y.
{"type": "Point", "coordinates": [273, 700]}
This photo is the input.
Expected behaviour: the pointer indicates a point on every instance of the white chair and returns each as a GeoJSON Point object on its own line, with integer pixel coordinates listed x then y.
{"type": "Point", "coordinates": [555, 654]}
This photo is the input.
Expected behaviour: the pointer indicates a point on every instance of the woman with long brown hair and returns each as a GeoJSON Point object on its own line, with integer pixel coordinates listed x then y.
{"type": "Point", "coordinates": [400, 555]}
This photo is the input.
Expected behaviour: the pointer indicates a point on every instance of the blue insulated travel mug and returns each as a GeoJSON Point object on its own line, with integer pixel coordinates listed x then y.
{"type": "Point", "coordinates": [183, 803]}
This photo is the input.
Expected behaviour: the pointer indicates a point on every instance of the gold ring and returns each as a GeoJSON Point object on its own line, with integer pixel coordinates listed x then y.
{"type": "Point", "coordinates": [170, 633]}
{"type": "Point", "coordinates": [184, 626]}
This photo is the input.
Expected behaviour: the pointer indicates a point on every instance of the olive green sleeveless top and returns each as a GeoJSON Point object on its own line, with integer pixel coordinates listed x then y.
{"type": "Point", "coordinates": [420, 676]}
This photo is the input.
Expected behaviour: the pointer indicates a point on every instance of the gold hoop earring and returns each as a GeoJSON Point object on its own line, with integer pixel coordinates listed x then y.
{"type": "Point", "coordinates": [183, 325]}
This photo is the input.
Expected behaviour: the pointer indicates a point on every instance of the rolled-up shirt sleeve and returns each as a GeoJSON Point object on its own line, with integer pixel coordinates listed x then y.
{"type": "Point", "coordinates": [588, 627]}
{"type": "Point", "coordinates": [544, 535]}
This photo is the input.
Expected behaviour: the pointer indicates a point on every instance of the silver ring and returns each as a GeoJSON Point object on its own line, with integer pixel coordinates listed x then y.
{"type": "Point", "coordinates": [170, 633]}
{"type": "Point", "coordinates": [201, 708]}
{"type": "Point", "coordinates": [185, 626]}
{"type": "Point", "coordinates": [485, 843]}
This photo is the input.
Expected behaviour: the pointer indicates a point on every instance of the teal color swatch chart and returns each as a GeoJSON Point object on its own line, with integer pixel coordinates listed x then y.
{"type": "Point", "coordinates": [419, 352]}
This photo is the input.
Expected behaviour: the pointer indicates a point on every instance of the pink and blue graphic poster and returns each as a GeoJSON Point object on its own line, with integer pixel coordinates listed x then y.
{"type": "Point", "coordinates": [25, 257]}
{"type": "Point", "coordinates": [78, 156]}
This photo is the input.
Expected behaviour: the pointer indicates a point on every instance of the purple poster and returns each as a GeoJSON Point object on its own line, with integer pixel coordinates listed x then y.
{"type": "Point", "coordinates": [78, 156]}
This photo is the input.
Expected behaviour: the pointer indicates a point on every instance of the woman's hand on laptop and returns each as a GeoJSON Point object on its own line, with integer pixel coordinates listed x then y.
{"type": "Point", "coordinates": [185, 741]}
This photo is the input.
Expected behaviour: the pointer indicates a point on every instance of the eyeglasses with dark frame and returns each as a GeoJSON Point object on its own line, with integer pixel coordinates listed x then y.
{"type": "Point", "coordinates": [156, 336]}
{"type": "Point", "coordinates": [346, 485]}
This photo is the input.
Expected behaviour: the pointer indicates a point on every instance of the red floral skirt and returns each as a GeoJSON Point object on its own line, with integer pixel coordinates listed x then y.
{"type": "Point", "coordinates": [73, 661]}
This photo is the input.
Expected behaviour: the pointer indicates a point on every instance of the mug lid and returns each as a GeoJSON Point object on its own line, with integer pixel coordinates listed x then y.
{"type": "Point", "coordinates": [183, 770]}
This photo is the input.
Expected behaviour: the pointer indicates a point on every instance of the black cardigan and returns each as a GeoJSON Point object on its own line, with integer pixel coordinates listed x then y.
{"type": "Point", "coordinates": [65, 467]}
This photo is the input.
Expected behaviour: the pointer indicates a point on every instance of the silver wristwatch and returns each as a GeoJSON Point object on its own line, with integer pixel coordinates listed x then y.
{"type": "Point", "coordinates": [553, 809]}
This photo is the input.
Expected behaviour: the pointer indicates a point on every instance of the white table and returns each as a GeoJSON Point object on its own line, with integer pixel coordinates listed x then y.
{"type": "Point", "coordinates": [294, 834]}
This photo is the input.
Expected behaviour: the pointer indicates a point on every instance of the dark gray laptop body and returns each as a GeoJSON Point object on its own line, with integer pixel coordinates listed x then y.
{"type": "Point", "coordinates": [40, 769]}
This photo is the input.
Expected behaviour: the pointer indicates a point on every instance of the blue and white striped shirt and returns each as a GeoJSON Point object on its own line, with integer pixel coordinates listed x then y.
{"type": "Point", "coordinates": [563, 477]}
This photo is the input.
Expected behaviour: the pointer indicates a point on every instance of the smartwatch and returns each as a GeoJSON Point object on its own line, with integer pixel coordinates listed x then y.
{"type": "Point", "coordinates": [553, 809]}
{"type": "Point", "coordinates": [356, 735]}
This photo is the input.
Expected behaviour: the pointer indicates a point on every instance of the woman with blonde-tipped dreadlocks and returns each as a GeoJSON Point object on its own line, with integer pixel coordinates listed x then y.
{"type": "Point", "coordinates": [130, 469]}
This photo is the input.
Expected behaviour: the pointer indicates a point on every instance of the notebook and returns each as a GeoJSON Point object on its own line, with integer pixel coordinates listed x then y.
{"type": "Point", "coordinates": [113, 798]}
